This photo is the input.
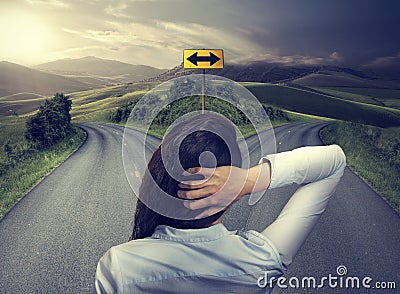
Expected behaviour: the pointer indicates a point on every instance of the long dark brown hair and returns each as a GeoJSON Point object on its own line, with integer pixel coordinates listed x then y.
{"type": "Point", "coordinates": [202, 138]}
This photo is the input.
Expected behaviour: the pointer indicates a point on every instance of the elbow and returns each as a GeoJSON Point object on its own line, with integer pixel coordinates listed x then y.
{"type": "Point", "coordinates": [340, 158]}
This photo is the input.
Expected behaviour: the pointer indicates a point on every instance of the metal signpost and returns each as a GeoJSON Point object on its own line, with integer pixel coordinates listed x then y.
{"type": "Point", "coordinates": [203, 58]}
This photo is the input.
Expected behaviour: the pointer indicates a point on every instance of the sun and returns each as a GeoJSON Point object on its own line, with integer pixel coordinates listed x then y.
{"type": "Point", "coordinates": [22, 35]}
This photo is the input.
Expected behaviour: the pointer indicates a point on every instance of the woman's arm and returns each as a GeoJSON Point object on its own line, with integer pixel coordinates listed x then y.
{"type": "Point", "coordinates": [320, 169]}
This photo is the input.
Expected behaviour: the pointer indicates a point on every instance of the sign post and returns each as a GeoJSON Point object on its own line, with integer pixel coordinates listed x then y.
{"type": "Point", "coordinates": [203, 58]}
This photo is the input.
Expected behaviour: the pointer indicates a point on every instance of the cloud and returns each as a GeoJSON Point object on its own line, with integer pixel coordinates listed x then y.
{"type": "Point", "coordinates": [333, 58]}
{"type": "Point", "coordinates": [387, 62]}
{"type": "Point", "coordinates": [167, 38]}
{"type": "Point", "coordinates": [309, 32]}
{"type": "Point", "coordinates": [53, 3]}
{"type": "Point", "coordinates": [117, 11]}
{"type": "Point", "coordinates": [157, 39]}
{"type": "Point", "coordinates": [78, 52]}
{"type": "Point", "coordinates": [70, 31]}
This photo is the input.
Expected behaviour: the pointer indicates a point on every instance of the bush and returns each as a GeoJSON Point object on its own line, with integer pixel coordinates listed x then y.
{"type": "Point", "coordinates": [51, 124]}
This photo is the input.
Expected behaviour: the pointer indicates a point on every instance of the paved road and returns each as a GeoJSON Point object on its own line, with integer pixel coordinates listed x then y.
{"type": "Point", "coordinates": [52, 239]}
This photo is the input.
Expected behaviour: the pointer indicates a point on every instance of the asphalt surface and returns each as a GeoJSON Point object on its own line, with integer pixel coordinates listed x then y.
{"type": "Point", "coordinates": [51, 240]}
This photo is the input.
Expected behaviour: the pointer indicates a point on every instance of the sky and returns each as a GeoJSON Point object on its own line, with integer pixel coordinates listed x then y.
{"type": "Point", "coordinates": [154, 32]}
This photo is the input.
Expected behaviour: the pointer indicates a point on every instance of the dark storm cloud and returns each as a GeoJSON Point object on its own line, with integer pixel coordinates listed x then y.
{"type": "Point", "coordinates": [358, 31]}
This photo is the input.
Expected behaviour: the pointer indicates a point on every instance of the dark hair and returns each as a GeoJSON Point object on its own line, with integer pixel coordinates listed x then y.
{"type": "Point", "coordinates": [201, 137]}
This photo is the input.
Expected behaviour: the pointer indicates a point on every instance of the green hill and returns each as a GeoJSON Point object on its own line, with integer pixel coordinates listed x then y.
{"type": "Point", "coordinates": [16, 78]}
{"type": "Point", "coordinates": [91, 68]}
{"type": "Point", "coordinates": [98, 104]}
{"type": "Point", "coordinates": [323, 105]}
{"type": "Point", "coordinates": [383, 97]}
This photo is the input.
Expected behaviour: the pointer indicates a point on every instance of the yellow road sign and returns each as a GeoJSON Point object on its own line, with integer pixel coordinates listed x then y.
{"type": "Point", "coordinates": [203, 58]}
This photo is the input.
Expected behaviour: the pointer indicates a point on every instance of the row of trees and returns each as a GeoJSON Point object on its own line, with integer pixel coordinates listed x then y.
{"type": "Point", "coordinates": [185, 105]}
{"type": "Point", "coordinates": [185, 88]}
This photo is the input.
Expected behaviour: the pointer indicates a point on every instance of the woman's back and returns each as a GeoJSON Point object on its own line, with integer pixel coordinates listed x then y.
{"type": "Point", "coordinates": [172, 255]}
{"type": "Point", "coordinates": [173, 260]}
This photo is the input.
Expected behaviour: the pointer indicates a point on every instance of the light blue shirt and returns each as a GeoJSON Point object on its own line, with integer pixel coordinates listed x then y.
{"type": "Point", "coordinates": [172, 260]}
{"type": "Point", "coordinates": [215, 260]}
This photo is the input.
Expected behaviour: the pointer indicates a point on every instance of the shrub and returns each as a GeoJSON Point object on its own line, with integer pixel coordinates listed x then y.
{"type": "Point", "coordinates": [51, 124]}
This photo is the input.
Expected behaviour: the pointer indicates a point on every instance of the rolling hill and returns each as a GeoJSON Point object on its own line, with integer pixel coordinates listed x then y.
{"type": "Point", "coordinates": [16, 79]}
{"type": "Point", "coordinates": [320, 104]}
{"type": "Point", "coordinates": [338, 78]}
{"type": "Point", "coordinates": [99, 71]}
{"type": "Point", "coordinates": [310, 89]}
{"type": "Point", "coordinates": [304, 75]}
{"type": "Point", "coordinates": [98, 104]}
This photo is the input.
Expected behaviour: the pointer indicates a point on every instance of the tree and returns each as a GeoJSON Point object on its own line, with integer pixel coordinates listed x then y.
{"type": "Point", "coordinates": [51, 124]}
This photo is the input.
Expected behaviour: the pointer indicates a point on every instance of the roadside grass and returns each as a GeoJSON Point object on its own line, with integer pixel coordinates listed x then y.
{"type": "Point", "coordinates": [312, 103]}
{"type": "Point", "coordinates": [373, 153]}
{"type": "Point", "coordinates": [19, 175]}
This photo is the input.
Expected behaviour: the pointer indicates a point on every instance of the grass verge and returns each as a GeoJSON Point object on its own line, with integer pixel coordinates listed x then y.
{"type": "Point", "coordinates": [373, 153]}
{"type": "Point", "coordinates": [24, 174]}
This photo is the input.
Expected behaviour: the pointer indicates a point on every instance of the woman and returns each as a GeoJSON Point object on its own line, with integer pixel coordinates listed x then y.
{"type": "Point", "coordinates": [169, 255]}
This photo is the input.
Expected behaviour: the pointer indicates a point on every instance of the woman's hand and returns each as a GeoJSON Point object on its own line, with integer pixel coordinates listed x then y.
{"type": "Point", "coordinates": [222, 186]}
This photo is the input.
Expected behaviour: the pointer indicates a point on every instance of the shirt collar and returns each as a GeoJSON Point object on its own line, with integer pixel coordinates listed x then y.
{"type": "Point", "coordinates": [191, 235]}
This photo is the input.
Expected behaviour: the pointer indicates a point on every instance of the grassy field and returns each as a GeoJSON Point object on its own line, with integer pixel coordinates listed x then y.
{"type": "Point", "coordinates": [348, 95]}
{"type": "Point", "coordinates": [323, 105]}
{"type": "Point", "coordinates": [23, 168]}
{"type": "Point", "coordinates": [104, 99]}
{"type": "Point", "coordinates": [382, 97]}
{"type": "Point", "coordinates": [373, 153]}
{"type": "Point", "coordinates": [20, 106]}
{"type": "Point", "coordinates": [371, 92]}
{"type": "Point", "coordinates": [97, 105]}
{"type": "Point", "coordinates": [20, 96]}
{"type": "Point", "coordinates": [354, 104]}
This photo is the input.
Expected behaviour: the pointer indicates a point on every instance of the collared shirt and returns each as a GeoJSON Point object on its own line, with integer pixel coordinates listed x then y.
{"type": "Point", "coordinates": [215, 260]}
{"type": "Point", "coordinates": [212, 259]}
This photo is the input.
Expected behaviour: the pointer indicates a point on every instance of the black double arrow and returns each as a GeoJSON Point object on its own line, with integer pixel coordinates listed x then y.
{"type": "Point", "coordinates": [212, 58]}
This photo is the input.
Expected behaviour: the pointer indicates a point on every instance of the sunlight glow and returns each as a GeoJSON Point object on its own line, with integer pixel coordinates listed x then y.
{"type": "Point", "coordinates": [22, 34]}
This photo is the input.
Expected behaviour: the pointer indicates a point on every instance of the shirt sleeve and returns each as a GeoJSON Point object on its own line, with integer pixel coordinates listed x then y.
{"type": "Point", "coordinates": [319, 169]}
{"type": "Point", "coordinates": [108, 277]}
